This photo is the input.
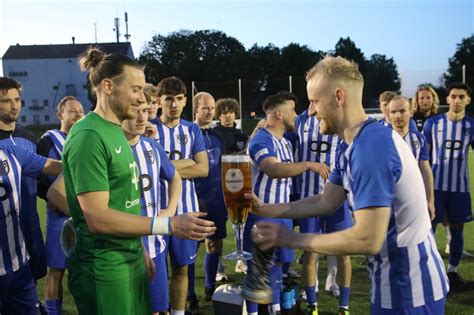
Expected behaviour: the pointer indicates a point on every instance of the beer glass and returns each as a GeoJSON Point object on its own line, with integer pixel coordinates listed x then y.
{"type": "Point", "coordinates": [236, 181]}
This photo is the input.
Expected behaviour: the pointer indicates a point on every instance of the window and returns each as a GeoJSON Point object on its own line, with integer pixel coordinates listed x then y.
{"type": "Point", "coordinates": [46, 117]}
{"type": "Point", "coordinates": [45, 103]}
{"type": "Point", "coordinates": [23, 119]}
{"type": "Point", "coordinates": [35, 103]}
{"type": "Point", "coordinates": [18, 74]}
{"type": "Point", "coordinates": [71, 89]}
{"type": "Point", "coordinates": [36, 119]}
{"type": "Point", "coordinates": [22, 103]}
{"type": "Point", "coordinates": [55, 87]}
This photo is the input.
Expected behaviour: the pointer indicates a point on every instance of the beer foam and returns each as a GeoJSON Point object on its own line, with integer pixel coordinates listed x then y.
{"type": "Point", "coordinates": [236, 158]}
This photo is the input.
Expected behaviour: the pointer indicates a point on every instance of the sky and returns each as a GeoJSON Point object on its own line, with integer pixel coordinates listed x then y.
{"type": "Point", "coordinates": [420, 35]}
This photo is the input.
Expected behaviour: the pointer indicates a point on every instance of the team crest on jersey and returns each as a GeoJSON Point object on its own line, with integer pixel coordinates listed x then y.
{"type": "Point", "coordinates": [182, 139]}
{"type": "Point", "coordinates": [4, 167]}
{"type": "Point", "coordinates": [149, 155]}
{"type": "Point", "coordinates": [416, 143]}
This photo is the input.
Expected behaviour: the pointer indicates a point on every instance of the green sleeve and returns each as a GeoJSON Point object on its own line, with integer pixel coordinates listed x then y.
{"type": "Point", "coordinates": [88, 162]}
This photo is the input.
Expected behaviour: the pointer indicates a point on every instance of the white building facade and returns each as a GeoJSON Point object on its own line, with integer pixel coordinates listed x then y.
{"type": "Point", "coordinates": [48, 73]}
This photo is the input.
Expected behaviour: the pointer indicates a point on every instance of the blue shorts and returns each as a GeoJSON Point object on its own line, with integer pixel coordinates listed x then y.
{"type": "Point", "coordinates": [182, 252]}
{"type": "Point", "coordinates": [159, 285]}
{"type": "Point", "coordinates": [217, 213]}
{"type": "Point", "coordinates": [456, 206]}
{"type": "Point", "coordinates": [431, 308]}
{"type": "Point", "coordinates": [338, 221]}
{"type": "Point", "coordinates": [54, 255]}
{"type": "Point", "coordinates": [18, 293]}
{"type": "Point", "coordinates": [282, 254]}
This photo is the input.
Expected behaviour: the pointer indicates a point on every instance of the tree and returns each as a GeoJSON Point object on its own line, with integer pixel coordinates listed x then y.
{"type": "Point", "coordinates": [201, 56]}
{"type": "Point", "coordinates": [381, 75]}
{"type": "Point", "coordinates": [464, 55]}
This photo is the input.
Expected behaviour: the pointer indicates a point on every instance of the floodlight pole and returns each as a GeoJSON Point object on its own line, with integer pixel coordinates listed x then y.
{"type": "Point", "coordinates": [240, 99]}
{"type": "Point", "coordinates": [463, 73]}
{"type": "Point", "coordinates": [290, 81]}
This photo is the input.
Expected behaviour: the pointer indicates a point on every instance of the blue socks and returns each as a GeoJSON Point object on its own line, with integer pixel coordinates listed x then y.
{"type": "Point", "coordinates": [456, 246]}
{"type": "Point", "coordinates": [311, 297]}
{"type": "Point", "coordinates": [53, 307]}
{"type": "Point", "coordinates": [344, 294]}
{"type": "Point", "coordinates": [211, 262]}
{"type": "Point", "coordinates": [191, 292]}
{"type": "Point", "coordinates": [275, 282]}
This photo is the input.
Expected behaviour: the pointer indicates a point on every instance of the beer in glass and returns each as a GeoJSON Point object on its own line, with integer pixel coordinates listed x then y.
{"type": "Point", "coordinates": [236, 181]}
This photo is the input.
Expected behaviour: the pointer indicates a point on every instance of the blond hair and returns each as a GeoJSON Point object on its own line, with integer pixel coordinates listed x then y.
{"type": "Point", "coordinates": [149, 91]}
{"type": "Point", "coordinates": [336, 68]}
{"type": "Point", "coordinates": [387, 96]}
{"type": "Point", "coordinates": [434, 107]}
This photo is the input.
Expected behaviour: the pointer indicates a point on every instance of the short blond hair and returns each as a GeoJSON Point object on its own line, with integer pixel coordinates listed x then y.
{"type": "Point", "coordinates": [336, 68]}
{"type": "Point", "coordinates": [400, 97]}
{"type": "Point", "coordinates": [387, 96]}
{"type": "Point", "coordinates": [425, 87]}
{"type": "Point", "coordinates": [150, 91]}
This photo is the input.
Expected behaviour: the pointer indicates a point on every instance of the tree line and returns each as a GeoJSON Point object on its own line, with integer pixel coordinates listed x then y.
{"type": "Point", "coordinates": [209, 56]}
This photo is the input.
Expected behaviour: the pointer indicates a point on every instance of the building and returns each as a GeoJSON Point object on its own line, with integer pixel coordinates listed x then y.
{"type": "Point", "coordinates": [48, 73]}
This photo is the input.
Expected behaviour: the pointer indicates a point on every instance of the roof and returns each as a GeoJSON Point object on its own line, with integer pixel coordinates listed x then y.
{"type": "Point", "coordinates": [61, 51]}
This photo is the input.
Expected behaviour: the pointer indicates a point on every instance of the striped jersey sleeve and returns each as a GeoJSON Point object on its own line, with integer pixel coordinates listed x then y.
{"type": "Point", "coordinates": [15, 162]}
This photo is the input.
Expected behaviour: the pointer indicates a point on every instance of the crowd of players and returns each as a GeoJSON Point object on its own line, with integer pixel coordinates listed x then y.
{"type": "Point", "coordinates": [135, 184]}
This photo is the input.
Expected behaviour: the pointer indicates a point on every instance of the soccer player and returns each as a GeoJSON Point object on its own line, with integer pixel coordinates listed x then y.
{"type": "Point", "coordinates": [11, 132]}
{"type": "Point", "coordinates": [425, 105]}
{"type": "Point", "coordinates": [400, 111]}
{"type": "Point", "coordinates": [151, 99]}
{"type": "Point", "coordinates": [449, 136]}
{"type": "Point", "coordinates": [17, 287]}
{"type": "Point", "coordinates": [209, 189]}
{"type": "Point", "coordinates": [384, 99]}
{"type": "Point", "coordinates": [378, 175]}
{"type": "Point", "coordinates": [69, 111]}
{"type": "Point", "coordinates": [183, 142]}
{"type": "Point", "coordinates": [273, 167]}
{"type": "Point", "coordinates": [108, 266]}
{"type": "Point", "coordinates": [154, 166]}
{"type": "Point", "coordinates": [313, 146]}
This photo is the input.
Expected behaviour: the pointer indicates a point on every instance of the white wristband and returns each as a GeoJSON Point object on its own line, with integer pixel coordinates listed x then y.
{"type": "Point", "coordinates": [161, 226]}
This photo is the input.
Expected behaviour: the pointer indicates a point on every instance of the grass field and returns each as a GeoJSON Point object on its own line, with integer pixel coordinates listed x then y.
{"type": "Point", "coordinates": [460, 303]}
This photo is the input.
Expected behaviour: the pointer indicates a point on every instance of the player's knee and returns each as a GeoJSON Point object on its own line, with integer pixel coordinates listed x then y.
{"type": "Point", "coordinates": [179, 271]}
{"type": "Point", "coordinates": [214, 246]}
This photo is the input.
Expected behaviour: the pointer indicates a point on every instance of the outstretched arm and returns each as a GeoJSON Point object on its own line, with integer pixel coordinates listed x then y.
{"type": "Point", "coordinates": [366, 237]}
{"type": "Point", "coordinates": [315, 206]}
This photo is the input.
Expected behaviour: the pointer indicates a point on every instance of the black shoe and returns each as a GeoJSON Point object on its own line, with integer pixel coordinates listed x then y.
{"type": "Point", "coordinates": [456, 283]}
{"type": "Point", "coordinates": [208, 293]}
{"type": "Point", "coordinates": [192, 306]}
{"type": "Point", "coordinates": [256, 285]}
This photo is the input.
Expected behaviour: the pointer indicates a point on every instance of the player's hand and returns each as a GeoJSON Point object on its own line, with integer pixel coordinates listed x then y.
{"type": "Point", "coordinates": [190, 226]}
{"type": "Point", "coordinates": [267, 235]}
{"type": "Point", "coordinates": [257, 203]}
{"type": "Point", "coordinates": [431, 210]}
{"type": "Point", "coordinates": [320, 168]}
{"type": "Point", "coordinates": [149, 264]}
{"type": "Point", "coordinates": [150, 130]}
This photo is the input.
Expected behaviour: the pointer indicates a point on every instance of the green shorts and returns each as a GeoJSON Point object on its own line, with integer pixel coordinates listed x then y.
{"type": "Point", "coordinates": [131, 297]}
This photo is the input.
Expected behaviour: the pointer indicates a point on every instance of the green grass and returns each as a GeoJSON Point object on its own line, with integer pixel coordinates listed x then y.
{"type": "Point", "coordinates": [460, 303]}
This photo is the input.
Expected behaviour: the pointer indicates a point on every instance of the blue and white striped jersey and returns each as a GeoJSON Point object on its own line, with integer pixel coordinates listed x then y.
{"type": "Point", "coordinates": [55, 139]}
{"type": "Point", "coordinates": [378, 170]}
{"type": "Point", "coordinates": [314, 147]}
{"type": "Point", "coordinates": [418, 145]}
{"type": "Point", "coordinates": [262, 146]}
{"type": "Point", "coordinates": [449, 141]}
{"type": "Point", "coordinates": [15, 162]}
{"type": "Point", "coordinates": [154, 167]}
{"type": "Point", "coordinates": [182, 142]}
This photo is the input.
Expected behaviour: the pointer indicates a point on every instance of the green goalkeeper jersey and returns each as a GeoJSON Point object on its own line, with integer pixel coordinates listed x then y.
{"type": "Point", "coordinates": [97, 157]}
